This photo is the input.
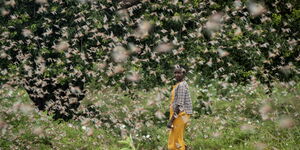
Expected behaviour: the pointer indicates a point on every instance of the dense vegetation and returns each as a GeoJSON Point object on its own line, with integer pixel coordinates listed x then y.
{"type": "Point", "coordinates": [59, 54]}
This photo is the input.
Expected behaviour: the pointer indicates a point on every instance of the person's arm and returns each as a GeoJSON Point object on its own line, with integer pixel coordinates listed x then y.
{"type": "Point", "coordinates": [174, 116]}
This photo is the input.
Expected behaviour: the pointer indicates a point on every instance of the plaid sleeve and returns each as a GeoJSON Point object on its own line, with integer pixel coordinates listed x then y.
{"type": "Point", "coordinates": [183, 99]}
{"type": "Point", "coordinates": [180, 95]}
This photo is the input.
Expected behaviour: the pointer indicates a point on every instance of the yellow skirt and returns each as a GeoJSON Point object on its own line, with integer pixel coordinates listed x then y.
{"type": "Point", "coordinates": [175, 141]}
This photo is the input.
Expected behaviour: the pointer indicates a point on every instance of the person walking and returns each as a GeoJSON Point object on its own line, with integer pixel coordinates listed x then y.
{"type": "Point", "coordinates": [180, 111]}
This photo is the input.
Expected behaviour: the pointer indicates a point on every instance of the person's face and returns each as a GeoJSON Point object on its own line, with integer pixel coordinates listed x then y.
{"type": "Point", "coordinates": [178, 75]}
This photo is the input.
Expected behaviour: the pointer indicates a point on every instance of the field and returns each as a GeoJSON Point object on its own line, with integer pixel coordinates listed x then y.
{"type": "Point", "coordinates": [241, 117]}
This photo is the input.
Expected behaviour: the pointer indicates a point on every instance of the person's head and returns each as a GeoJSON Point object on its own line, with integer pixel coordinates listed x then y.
{"type": "Point", "coordinates": [179, 73]}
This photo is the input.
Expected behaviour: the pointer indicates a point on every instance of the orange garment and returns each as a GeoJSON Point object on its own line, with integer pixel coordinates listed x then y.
{"type": "Point", "coordinates": [175, 141]}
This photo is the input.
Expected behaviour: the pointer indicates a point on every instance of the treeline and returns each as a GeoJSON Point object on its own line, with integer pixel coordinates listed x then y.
{"type": "Point", "coordinates": [56, 48]}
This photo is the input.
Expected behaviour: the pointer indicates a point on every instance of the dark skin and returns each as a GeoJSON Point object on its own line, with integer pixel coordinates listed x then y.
{"type": "Point", "coordinates": [179, 76]}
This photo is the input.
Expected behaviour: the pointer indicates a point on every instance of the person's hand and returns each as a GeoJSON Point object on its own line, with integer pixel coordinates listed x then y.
{"type": "Point", "coordinates": [170, 124]}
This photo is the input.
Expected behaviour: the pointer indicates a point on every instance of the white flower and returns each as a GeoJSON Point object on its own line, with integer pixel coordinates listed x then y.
{"type": "Point", "coordinates": [84, 128]}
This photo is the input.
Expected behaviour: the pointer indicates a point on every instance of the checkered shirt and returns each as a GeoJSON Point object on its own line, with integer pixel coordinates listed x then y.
{"type": "Point", "coordinates": [182, 98]}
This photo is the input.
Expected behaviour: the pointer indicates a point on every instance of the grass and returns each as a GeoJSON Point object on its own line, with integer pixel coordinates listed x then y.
{"type": "Point", "coordinates": [246, 119]}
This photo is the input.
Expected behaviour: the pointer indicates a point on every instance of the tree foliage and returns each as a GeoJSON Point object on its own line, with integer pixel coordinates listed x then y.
{"type": "Point", "coordinates": [54, 48]}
